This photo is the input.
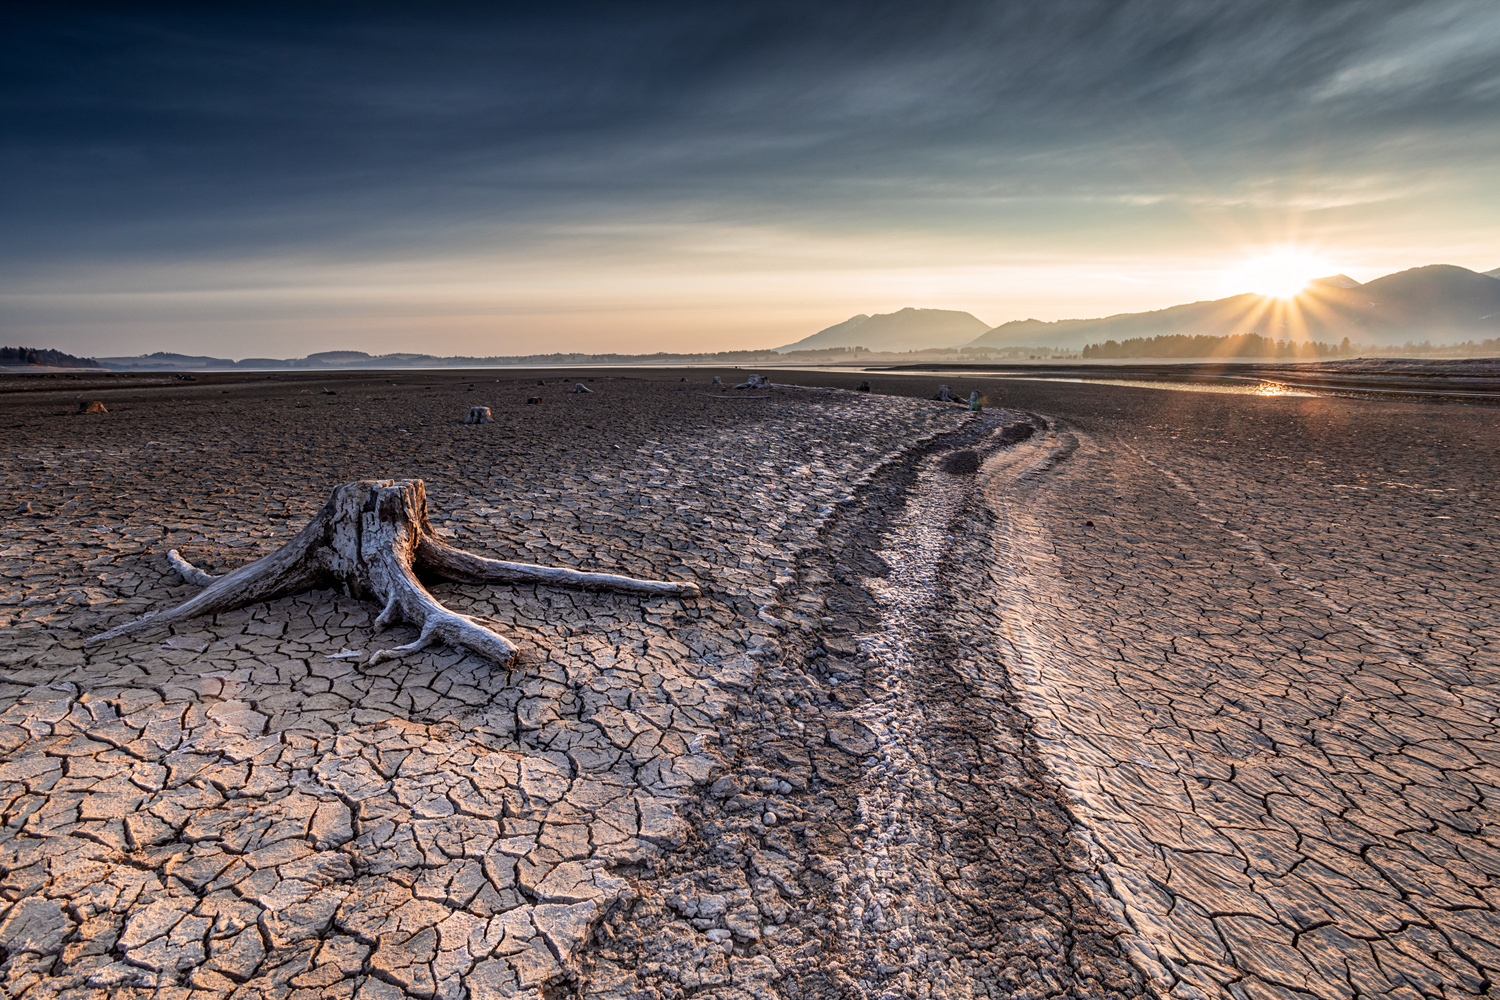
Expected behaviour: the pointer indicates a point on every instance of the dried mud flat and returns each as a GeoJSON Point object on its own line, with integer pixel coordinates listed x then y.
{"type": "Point", "coordinates": [1108, 693]}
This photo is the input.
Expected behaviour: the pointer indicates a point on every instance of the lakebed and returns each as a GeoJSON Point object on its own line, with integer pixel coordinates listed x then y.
{"type": "Point", "coordinates": [1155, 692]}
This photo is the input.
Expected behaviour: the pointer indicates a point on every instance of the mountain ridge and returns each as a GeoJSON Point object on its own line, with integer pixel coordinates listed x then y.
{"type": "Point", "coordinates": [904, 330]}
{"type": "Point", "coordinates": [1420, 303]}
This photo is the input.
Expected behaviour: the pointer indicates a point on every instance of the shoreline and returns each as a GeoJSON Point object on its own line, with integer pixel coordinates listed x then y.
{"type": "Point", "coordinates": [1471, 382]}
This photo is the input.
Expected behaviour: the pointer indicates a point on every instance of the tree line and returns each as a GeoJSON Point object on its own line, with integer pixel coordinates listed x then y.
{"type": "Point", "coordinates": [43, 356]}
{"type": "Point", "coordinates": [1245, 345]}
{"type": "Point", "coordinates": [1253, 345]}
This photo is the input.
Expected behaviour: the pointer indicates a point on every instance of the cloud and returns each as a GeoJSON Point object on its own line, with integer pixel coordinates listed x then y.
{"type": "Point", "coordinates": [144, 137]}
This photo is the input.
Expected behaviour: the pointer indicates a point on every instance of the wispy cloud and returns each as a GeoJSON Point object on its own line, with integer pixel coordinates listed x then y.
{"type": "Point", "coordinates": [588, 139]}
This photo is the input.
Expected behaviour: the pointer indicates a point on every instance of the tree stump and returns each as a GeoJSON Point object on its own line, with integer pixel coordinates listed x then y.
{"type": "Point", "coordinates": [580, 387]}
{"type": "Point", "coordinates": [754, 382]}
{"type": "Point", "coordinates": [479, 415]}
{"type": "Point", "coordinates": [944, 395]}
{"type": "Point", "coordinates": [93, 407]}
{"type": "Point", "coordinates": [862, 387]}
{"type": "Point", "coordinates": [372, 539]}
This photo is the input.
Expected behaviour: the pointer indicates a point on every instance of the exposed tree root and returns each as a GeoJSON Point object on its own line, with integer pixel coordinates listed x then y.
{"type": "Point", "coordinates": [372, 538]}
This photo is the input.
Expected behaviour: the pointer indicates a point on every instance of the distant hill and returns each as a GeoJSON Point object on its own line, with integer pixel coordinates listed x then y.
{"type": "Point", "coordinates": [1440, 303]}
{"type": "Point", "coordinates": [1493, 274]}
{"type": "Point", "coordinates": [164, 361]}
{"type": "Point", "coordinates": [907, 330]}
{"type": "Point", "coordinates": [833, 336]}
{"type": "Point", "coordinates": [43, 357]}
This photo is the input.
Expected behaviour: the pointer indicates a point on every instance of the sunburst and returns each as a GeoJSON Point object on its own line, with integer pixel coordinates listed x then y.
{"type": "Point", "coordinates": [1278, 273]}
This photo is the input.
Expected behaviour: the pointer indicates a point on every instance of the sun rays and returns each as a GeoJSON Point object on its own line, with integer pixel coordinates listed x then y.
{"type": "Point", "coordinates": [1278, 272]}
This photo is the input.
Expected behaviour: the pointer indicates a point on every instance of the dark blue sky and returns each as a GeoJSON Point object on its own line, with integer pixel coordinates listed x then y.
{"type": "Point", "coordinates": [268, 180]}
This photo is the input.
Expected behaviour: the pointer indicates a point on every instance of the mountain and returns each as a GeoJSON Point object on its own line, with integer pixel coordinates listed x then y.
{"type": "Point", "coordinates": [1336, 281]}
{"type": "Point", "coordinates": [1437, 297]}
{"type": "Point", "coordinates": [833, 336]}
{"type": "Point", "coordinates": [907, 330]}
{"type": "Point", "coordinates": [338, 357]}
{"type": "Point", "coordinates": [1440, 303]}
{"type": "Point", "coordinates": [1494, 274]}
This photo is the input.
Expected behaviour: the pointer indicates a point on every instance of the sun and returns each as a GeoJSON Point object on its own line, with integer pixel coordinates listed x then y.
{"type": "Point", "coordinates": [1280, 273]}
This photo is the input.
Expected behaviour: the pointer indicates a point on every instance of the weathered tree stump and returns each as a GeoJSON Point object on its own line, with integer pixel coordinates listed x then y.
{"type": "Point", "coordinates": [479, 415]}
{"type": "Point", "coordinates": [862, 387]}
{"type": "Point", "coordinates": [372, 539]}
{"type": "Point", "coordinates": [580, 387]}
{"type": "Point", "coordinates": [945, 395]}
{"type": "Point", "coordinates": [92, 407]}
{"type": "Point", "coordinates": [754, 382]}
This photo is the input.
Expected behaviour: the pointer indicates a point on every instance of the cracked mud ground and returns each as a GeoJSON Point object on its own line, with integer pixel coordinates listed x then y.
{"type": "Point", "coordinates": [1179, 694]}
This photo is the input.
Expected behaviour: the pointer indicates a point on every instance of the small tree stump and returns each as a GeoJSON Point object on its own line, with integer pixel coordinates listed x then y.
{"type": "Point", "coordinates": [533, 400]}
{"type": "Point", "coordinates": [580, 387]}
{"type": "Point", "coordinates": [92, 407]}
{"type": "Point", "coordinates": [371, 539]}
{"type": "Point", "coordinates": [479, 415]}
{"type": "Point", "coordinates": [944, 395]}
{"type": "Point", "coordinates": [754, 382]}
{"type": "Point", "coordinates": [862, 387]}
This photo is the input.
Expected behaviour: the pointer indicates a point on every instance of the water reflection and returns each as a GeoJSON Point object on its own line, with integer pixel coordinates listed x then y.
{"type": "Point", "coordinates": [1246, 389]}
{"type": "Point", "coordinates": [1256, 387]}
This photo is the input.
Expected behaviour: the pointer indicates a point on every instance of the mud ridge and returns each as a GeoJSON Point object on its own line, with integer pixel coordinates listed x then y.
{"type": "Point", "coordinates": [884, 826]}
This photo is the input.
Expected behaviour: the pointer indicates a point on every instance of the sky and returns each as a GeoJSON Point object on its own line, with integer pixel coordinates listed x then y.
{"type": "Point", "coordinates": [496, 179]}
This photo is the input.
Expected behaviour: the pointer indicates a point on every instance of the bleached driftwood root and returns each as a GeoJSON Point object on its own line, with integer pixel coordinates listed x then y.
{"type": "Point", "coordinates": [580, 387]}
{"type": "Point", "coordinates": [479, 415]}
{"type": "Point", "coordinates": [373, 538]}
{"type": "Point", "coordinates": [754, 382]}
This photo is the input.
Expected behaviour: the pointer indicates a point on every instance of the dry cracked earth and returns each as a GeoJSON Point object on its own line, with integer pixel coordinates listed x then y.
{"type": "Point", "coordinates": [1103, 692]}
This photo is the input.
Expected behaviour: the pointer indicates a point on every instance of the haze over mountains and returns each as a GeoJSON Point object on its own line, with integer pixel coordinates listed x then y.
{"type": "Point", "coordinates": [1439, 303]}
